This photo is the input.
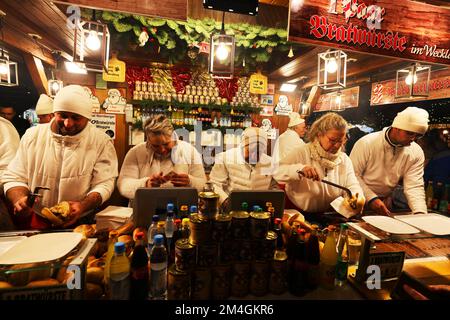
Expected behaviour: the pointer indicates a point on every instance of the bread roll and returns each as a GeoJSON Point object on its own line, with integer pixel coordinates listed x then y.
{"type": "Point", "coordinates": [43, 283]}
{"type": "Point", "coordinates": [5, 285]}
{"type": "Point", "coordinates": [93, 291]}
{"type": "Point", "coordinates": [86, 230]}
{"type": "Point", "coordinates": [95, 275]}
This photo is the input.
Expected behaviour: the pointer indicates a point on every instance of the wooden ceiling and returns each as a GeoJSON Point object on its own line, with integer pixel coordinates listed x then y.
{"type": "Point", "coordinates": [44, 18]}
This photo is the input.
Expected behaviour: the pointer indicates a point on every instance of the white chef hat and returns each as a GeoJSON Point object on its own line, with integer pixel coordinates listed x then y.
{"type": "Point", "coordinates": [44, 105]}
{"type": "Point", "coordinates": [254, 135]}
{"type": "Point", "coordinates": [74, 99]}
{"type": "Point", "coordinates": [412, 119]}
{"type": "Point", "coordinates": [294, 119]}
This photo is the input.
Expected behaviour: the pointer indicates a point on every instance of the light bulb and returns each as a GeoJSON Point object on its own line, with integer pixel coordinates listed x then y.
{"type": "Point", "coordinates": [409, 79]}
{"type": "Point", "coordinates": [3, 68]}
{"type": "Point", "coordinates": [92, 41]}
{"type": "Point", "coordinates": [55, 86]}
{"type": "Point", "coordinates": [338, 99]}
{"type": "Point", "coordinates": [222, 52]}
{"type": "Point", "coordinates": [331, 66]}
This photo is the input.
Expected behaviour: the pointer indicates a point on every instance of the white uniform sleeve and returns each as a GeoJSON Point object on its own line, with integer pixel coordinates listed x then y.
{"type": "Point", "coordinates": [105, 172]}
{"type": "Point", "coordinates": [414, 186]}
{"type": "Point", "coordinates": [9, 143]}
{"type": "Point", "coordinates": [351, 181]}
{"type": "Point", "coordinates": [129, 180]}
{"type": "Point", "coordinates": [197, 172]}
{"type": "Point", "coordinates": [288, 167]}
{"type": "Point", "coordinates": [359, 157]}
{"type": "Point", "coordinates": [219, 176]}
{"type": "Point", "coordinates": [16, 174]}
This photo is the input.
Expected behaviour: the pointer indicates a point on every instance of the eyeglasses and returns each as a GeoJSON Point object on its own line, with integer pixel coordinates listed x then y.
{"type": "Point", "coordinates": [336, 141]}
{"type": "Point", "coordinates": [416, 135]}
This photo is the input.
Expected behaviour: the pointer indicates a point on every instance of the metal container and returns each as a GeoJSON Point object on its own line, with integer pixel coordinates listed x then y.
{"type": "Point", "coordinates": [221, 276]}
{"type": "Point", "coordinates": [259, 224]}
{"type": "Point", "coordinates": [239, 224]}
{"type": "Point", "coordinates": [200, 230]}
{"type": "Point", "coordinates": [245, 249]}
{"type": "Point", "coordinates": [240, 279]}
{"type": "Point", "coordinates": [184, 255]}
{"type": "Point", "coordinates": [221, 227]}
{"type": "Point", "coordinates": [201, 284]}
{"type": "Point", "coordinates": [259, 278]}
{"type": "Point", "coordinates": [278, 275]}
{"type": "Point", "coordinates": [207, 255]}
{"type": "Point", "coordinates": [268, 246]}
{"type": "Point", "coordinates": [208, 203]}
{"type": "Point", "coordinates": [178, 284]}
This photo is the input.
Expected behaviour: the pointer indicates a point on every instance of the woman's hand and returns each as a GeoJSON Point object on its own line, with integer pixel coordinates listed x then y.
{"type": "Point", "coordinates": [310, 173]}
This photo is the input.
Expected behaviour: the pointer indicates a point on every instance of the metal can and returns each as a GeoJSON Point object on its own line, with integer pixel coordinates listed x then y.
{"type": "Point", "coordinates": [226, 253]}
{"type": "Point", "coordinates": [221, 227]}
{"type": "Point", "coordinates": [201, 284]}
{"type": "Point", "coordinates": [184, 255]}
{"type": "Point", "coordinates": [268, 246]}
{"type": "Point", "coordinates": [207, 255]}
{"type": "Point", "coordinates": [240, 279]}
{"type": "Point", "coordinates": [259, 224]}
{"type": "Point", "coordinates": [278, 274]}
{"type": "Point", "coordinates": [220, 289]}
{"type": "Point", "coordinates": [239, 224]}
{"type": "Point", "coordinates": [178, 284]}
{"type": "Point", "coordinates": [245, 249]}
{"type": "Point", "coordinates": [200, 229]}
{"type": "Point", "coordinates": [259, 278]}
{"type": "Point", "coordinates": [208, 204]}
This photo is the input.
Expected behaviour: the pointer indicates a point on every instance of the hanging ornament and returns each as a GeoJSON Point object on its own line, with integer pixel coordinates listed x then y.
{"type": "Point", "coordinates": [243, 62]}
{"type": "Point", "coordinates": [143, 38]}
{"type": "Point", "coordinates": [269, 49]}
{"type": "Point", "coordinates": [192, 53]}
{"type": "Point", "coordinates": [291, 53]}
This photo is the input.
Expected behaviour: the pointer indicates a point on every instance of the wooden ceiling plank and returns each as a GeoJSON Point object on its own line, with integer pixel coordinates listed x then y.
{"type": "Point", "coordinates": [37, 72]}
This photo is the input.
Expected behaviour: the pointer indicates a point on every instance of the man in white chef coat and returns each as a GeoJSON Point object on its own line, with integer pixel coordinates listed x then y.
{"type": "Point", "coordinates": [69, 155]}
{"type": "Point", "coordinates": [382, 159]}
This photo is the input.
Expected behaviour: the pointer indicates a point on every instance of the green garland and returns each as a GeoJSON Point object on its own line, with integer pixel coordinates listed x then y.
{"type": "Point", "coordinates": [255, 43]}
{"type": "Point", "coordinates": [225, 108]}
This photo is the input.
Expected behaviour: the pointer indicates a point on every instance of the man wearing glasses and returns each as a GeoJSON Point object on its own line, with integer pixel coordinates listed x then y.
{"type": "Point", "coordinates": [382, 159]}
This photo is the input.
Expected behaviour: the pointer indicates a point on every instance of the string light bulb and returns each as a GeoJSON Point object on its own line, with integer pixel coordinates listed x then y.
{"type": "Point", "coordinates": [291, 53]}
{"type": "Point", "coordinates": [331, 65]}
{"type": "Point", "coordinates": [92, 41]}
{"type": "Point", "coordinates": [410, 79]}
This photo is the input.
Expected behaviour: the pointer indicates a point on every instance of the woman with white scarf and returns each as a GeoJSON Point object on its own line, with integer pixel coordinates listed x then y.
{"type": "Point", "coordinates": [161, 161]}
{"type": "Point", "coordinates": [322, 158]}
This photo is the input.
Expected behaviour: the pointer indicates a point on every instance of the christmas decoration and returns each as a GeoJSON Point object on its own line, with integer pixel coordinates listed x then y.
{"type": "Point", "coordinates": [143, 38]}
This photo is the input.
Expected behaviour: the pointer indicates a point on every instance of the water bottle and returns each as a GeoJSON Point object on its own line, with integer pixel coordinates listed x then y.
{"type": "Point", "coordinates": [193, 209]}
{"type": "Point", "coordinates": [158, 269]}
{"type": "Point", "coordinates": [152, 231]}
{"type": "Point", "coordinates": [170, 226]}
{"type": "Point", "coordinates": [119, 274]}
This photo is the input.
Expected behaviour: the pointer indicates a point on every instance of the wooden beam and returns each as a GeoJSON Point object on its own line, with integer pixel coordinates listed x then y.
{"type": "Point", "coordinates": [37, 72]}
{"type": "Point", "coordinates": [171, 9]}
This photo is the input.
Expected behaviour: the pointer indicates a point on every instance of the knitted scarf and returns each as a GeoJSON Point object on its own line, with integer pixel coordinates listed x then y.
{"type": "Point", "coordinates": [327, 160]}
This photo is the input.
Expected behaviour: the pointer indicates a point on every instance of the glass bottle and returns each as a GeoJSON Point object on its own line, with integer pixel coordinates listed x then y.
{"type": "Point", "coordinates": [328, 260]}
{"type": "Point", "coordinates": [139, 275]}
{"type": "Point", "coordinates": [342, 257]}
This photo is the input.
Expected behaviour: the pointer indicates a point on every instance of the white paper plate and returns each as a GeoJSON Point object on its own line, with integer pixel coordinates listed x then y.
{"type": "Point", "coordinates": [41, 248]}
{"type": "Point", "coordinates": [429, 222]}
{"type": "Point", "coordinates": [390, 225]}
{"type": "Point", "coordinates": [7, 242]}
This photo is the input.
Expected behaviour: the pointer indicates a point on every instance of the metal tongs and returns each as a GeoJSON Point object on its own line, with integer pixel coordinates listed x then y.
{"type": "Point", "coordinates": [32, 198]}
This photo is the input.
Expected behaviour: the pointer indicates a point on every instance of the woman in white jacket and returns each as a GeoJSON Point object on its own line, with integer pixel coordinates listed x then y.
{"type": "Point", "coordinates": [162, 160]}
{"type": "Point", "coordinates": [303, 168]}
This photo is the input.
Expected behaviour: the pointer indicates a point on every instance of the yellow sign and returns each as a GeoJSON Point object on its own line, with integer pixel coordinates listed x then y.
{"type": "Point", "coordinates": [258, 83]}
{"type": "Point", "coordinates": [116, 70]}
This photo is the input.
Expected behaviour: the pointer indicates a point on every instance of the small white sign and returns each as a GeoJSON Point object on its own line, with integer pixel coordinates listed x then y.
{"type": "Point", "coordinates": [283, 107]}
{"type": "Point", "coordinates": [106, 123]}
{"type": "Point", "coordinates": [115, 103]}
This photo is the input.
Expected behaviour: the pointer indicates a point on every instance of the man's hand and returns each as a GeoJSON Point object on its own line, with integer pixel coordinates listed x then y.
{"type": "Point", "coordinates": [21, 208]}
{"type": "Point", "coordinates": [310, 173]}
{"type": "Point", "coordinates": [180, 180]}
{"type": "Point", "coordinates": [156, 180]}
{"type": "Point", "coordinates": [76, 209]}
{"type": "Point", "coordinates": [379, 207]}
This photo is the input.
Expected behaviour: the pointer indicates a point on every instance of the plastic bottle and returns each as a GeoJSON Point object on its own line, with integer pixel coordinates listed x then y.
{"type": "Point", "coordinates": [139, 275]}
{"type": "Point", "coordinates": [328, 260]}
{"type": "Point", "coordinates": [185, 231]}
{"type": "Point", "coordinates": [342, 258]}
{"type": "Point", "coordinates": [158, 269]}
{"type": "Point", "coordinates": [119, 274]}
{"type": "Point", "coordinates": [429, 195]}
{"type": "Point", "coordinates": [110, 253]}
{"type": "Point", "coordinates": [193, 209]}
{"type": "Point", "coordinates": [152, 231]}
{"type": "Point", "coordinates": [297, 283]}
{"type": "Point", "coordinates": [170, 226]}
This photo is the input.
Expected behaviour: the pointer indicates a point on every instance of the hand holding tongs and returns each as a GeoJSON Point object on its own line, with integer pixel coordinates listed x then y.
{"type": "Point", "coordinates": [32, 196]}
{"type": "Point", "coordinates": [347, 190]}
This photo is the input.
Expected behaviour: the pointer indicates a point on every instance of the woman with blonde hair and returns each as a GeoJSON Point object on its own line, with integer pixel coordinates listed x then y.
{"type": "Point", "coordinates": [322, 158]}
